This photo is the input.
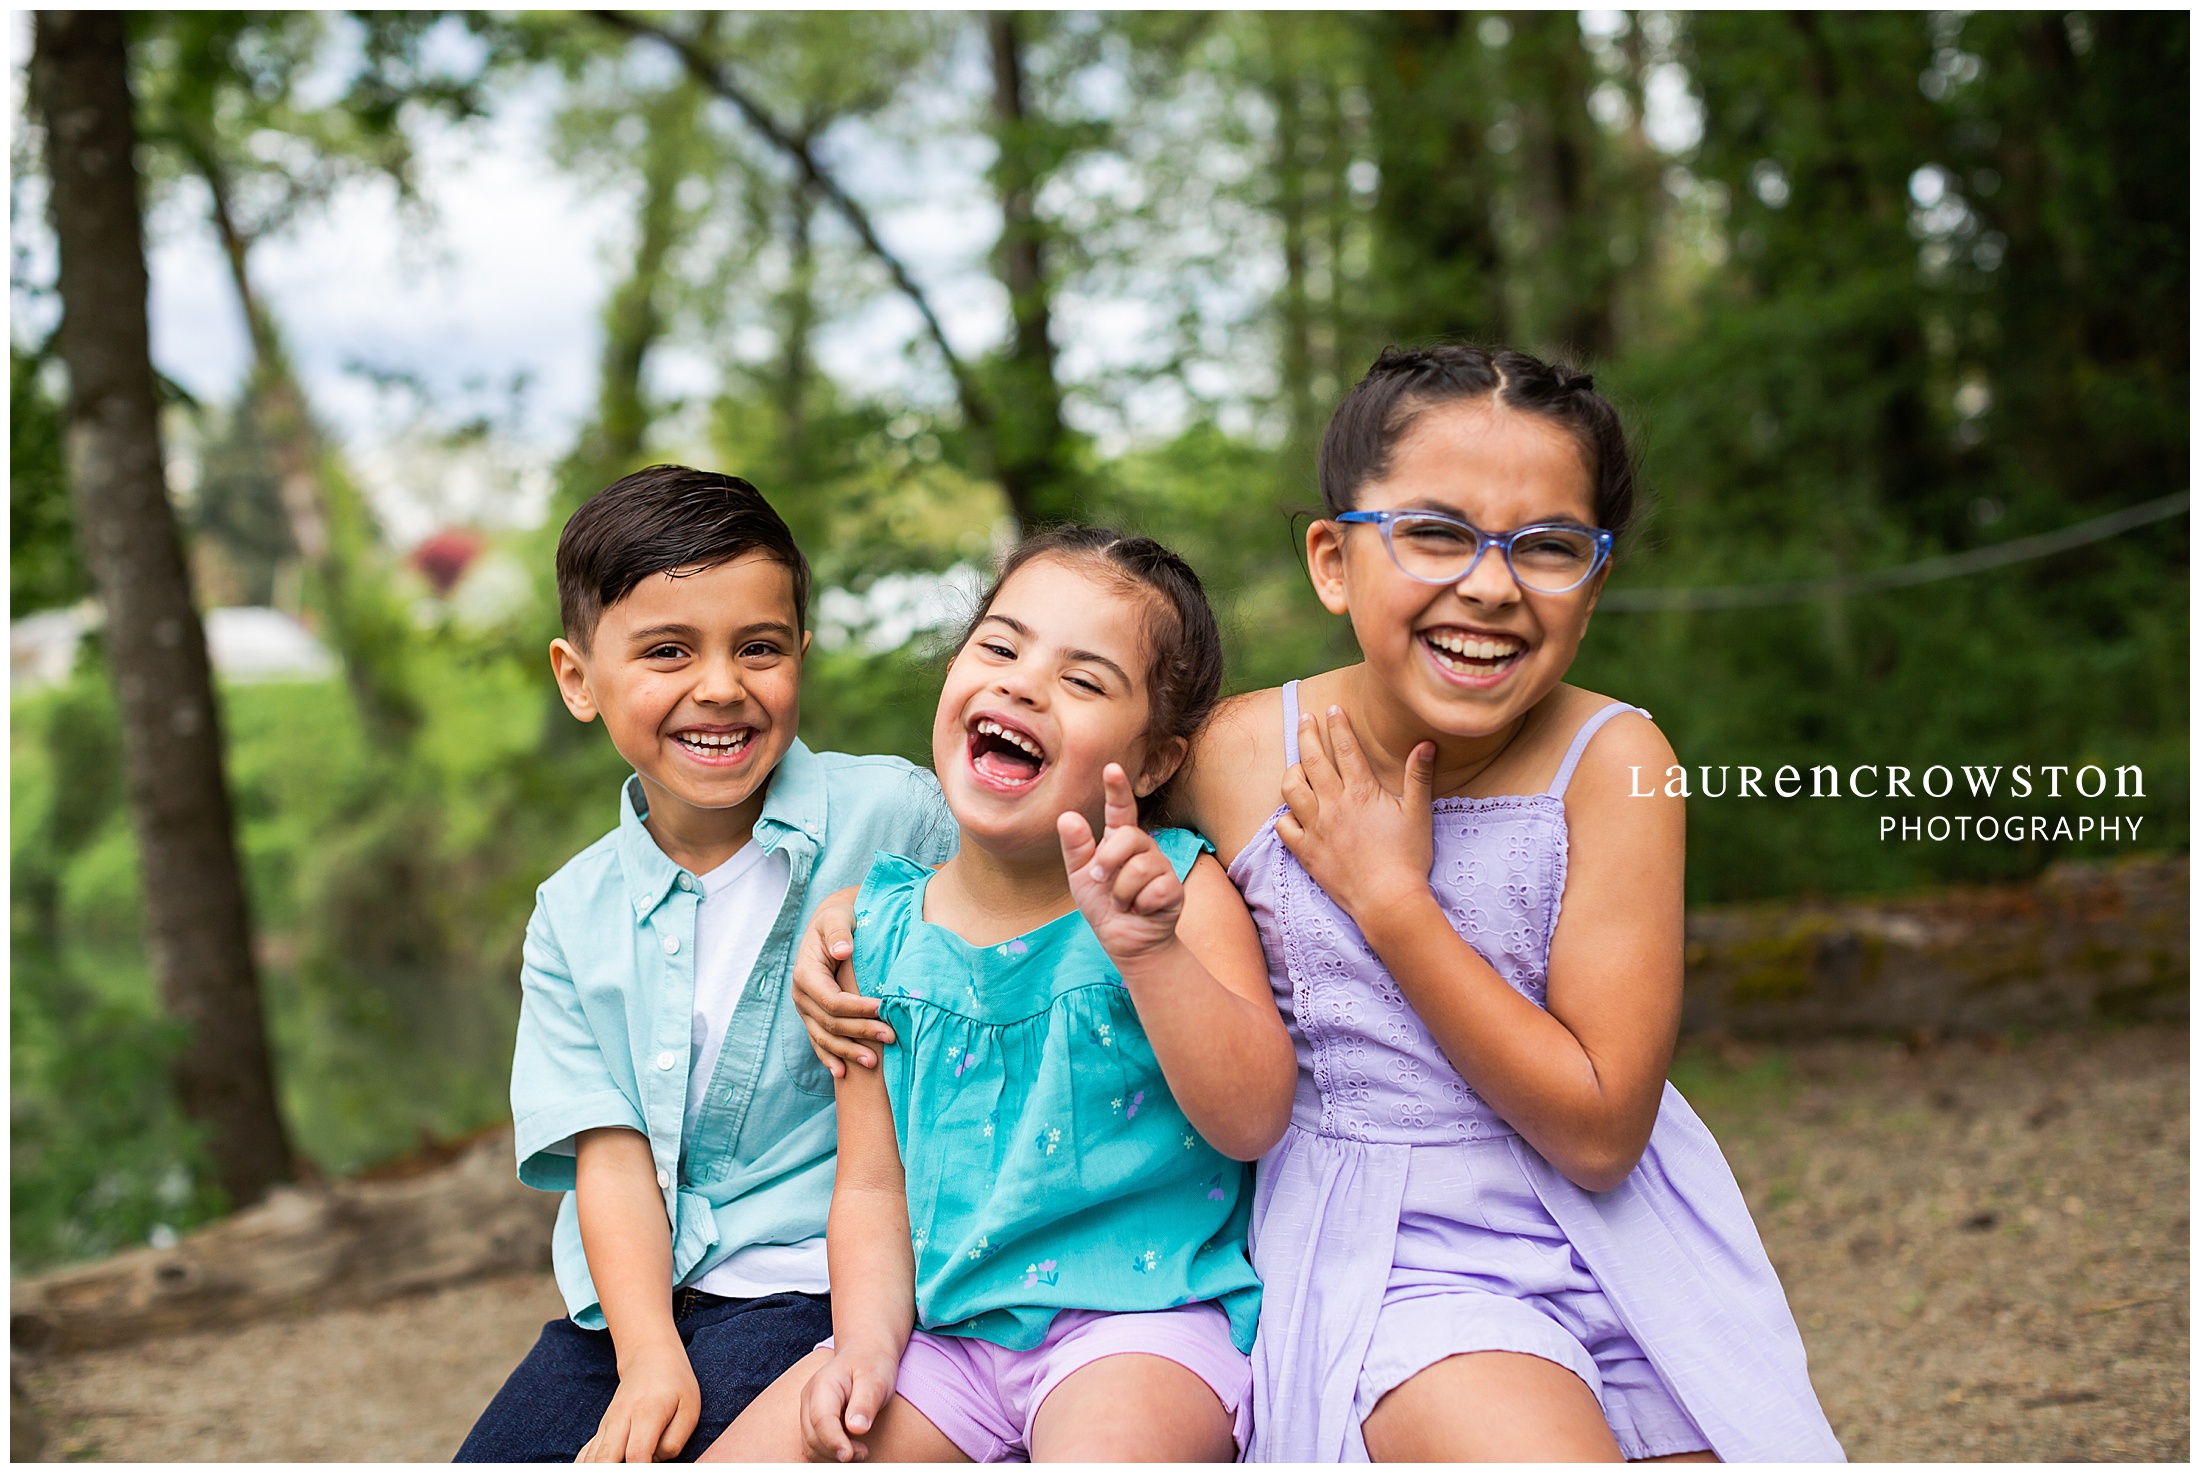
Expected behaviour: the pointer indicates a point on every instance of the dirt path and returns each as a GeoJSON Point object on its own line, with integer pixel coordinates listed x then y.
{"type": "Point", "coordinates": [1987, 1249]}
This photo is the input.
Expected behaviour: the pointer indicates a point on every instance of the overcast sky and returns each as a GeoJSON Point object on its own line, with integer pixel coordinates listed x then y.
{"type": "Point", "coordinates": [508, 283]}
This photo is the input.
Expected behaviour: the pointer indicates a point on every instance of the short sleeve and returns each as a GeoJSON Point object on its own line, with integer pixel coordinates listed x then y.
{"type": "Point", "coordinates": [561, 1082]}
{"type": "Point", "coordinates": [1182, 847]}
{"type": "Point", "coordinates": [883, 913]}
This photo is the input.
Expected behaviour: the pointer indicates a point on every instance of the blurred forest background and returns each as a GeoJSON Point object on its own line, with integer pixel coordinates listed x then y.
{"type": "Point", "coordinates": [1871, 288]}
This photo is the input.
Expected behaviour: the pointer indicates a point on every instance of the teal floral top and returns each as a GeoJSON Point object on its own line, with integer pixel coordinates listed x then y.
{"type": "Point", "coordinates": [1049, 1167]}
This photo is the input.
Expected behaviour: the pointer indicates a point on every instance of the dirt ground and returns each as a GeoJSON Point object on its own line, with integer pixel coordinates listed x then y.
{"type": "Point", "coordinates": [1986, 1247]}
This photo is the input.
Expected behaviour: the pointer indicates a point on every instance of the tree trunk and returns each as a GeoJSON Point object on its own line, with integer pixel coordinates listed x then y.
{"type": "Point", "coordinates": [1347, 358]}
{"type": "Point", "coordinates": [634, 319]}
{"type": "Point", "coordinates": [1296, 318]}
{"type": "Point", "coordinates": [1439, 264]}
{"type": "Point", "coordinates": [274, 392]}
{"type": "Point", "coordinates": [1573, 273]}
{"type": "Point", "coordinates": [798, 325]}
{"type": "Point", "coordinates": [1030, 445]}
{"type": "Point", "coordinates": [328, 522]}
{"type": "Point", "coordinates": [194, 895]}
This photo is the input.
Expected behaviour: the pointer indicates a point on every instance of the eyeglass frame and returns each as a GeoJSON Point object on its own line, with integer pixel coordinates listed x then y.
{"type": "Point", "coordinates": [1483, 541]}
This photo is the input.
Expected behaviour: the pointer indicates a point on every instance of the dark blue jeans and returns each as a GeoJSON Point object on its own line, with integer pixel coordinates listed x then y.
{"type": "Point", "coordinates": [551, 1405]}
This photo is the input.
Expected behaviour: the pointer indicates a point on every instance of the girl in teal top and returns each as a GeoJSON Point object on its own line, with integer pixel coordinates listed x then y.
{"type": "Point", "coordinates": [1048, 1165]}
{"type": "Point", "coordinates": [1037, 1238]}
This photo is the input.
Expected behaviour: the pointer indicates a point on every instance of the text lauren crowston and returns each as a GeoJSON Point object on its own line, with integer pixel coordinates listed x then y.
{"type": "Point", "coordinates": [1824, 781]}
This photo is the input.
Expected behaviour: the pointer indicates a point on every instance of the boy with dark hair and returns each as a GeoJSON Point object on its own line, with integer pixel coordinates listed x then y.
{"type": "Point", "coordinates": [662, 1079]}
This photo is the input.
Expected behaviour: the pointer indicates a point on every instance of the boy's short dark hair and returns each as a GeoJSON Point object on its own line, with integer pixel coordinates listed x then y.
{"type": "Point", "coordinates": [658, 519]}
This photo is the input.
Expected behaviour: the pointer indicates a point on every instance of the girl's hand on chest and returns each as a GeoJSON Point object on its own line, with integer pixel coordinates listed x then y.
{"type": "Point", "coordinates": [1125, 886]}
{"type": "Point", "coordinates": [1368, 847]}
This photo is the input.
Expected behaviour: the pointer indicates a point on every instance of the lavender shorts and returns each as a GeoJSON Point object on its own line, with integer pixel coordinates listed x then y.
{"type": "Point", "coordinates": [1499, 1274]}
{"type": "Point", "coordinates": [984, 1398]}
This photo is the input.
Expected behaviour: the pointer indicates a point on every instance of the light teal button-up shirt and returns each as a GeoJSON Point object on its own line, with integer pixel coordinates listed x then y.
{"type": "Point", "coordinates": [607, 1017]}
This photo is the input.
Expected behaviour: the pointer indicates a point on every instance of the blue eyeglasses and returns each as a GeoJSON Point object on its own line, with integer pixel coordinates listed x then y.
{"type": "Point", "coordinates": [1430, 547]}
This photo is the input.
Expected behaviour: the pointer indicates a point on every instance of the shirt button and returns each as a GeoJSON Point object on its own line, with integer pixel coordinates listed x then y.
{"type": "Point", "coordinates": [664, 1181]}
{"type": "Point", "coordinates": [672, 945]}
{"type": "Point", "coordinates": [686, 883]}
{"type": "Point", "coordinates": [665, 1060]}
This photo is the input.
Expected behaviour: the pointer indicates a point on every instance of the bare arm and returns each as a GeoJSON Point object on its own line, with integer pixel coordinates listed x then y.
{"type": "Point", "coordinates": [629, 1247]}
{"type": "Point", "coordinates": [873, 1270]}
{"type": "Point", "coordinates": [1231, 780]}
{"type": "Point", "coordinates": [1581, 1081]}
{"type": "Point", "coordinates": [1192, 962]}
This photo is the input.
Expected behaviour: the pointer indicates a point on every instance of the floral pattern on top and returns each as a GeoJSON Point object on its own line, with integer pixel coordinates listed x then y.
{"type": "Point", "coordinates": [1048, 1167]}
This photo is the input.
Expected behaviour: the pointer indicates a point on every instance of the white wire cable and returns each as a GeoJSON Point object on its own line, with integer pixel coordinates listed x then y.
{"type": "Point", "coordinates": [1930, 570]}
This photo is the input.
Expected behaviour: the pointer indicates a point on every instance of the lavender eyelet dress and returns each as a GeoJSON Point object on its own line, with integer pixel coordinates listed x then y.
{"type": "Point", "coordinates": [1400, 1220]}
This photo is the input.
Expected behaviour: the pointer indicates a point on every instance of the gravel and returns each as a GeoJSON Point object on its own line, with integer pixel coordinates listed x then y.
{"type": "Point", "coordinates": [1987, 1247]}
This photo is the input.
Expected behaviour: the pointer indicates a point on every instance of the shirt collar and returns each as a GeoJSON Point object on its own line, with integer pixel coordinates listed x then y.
{"type": "Point", "coordinates": [794, 804]}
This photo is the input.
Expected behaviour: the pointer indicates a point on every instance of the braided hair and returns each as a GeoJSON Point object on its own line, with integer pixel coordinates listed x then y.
{"type": "Point", "coordinates": [1183, 641]}
{"type": "Point", "coordinates": [1383, 407]}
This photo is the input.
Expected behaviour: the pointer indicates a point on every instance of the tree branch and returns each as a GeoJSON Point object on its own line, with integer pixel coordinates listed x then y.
{"type": "Point", "coordinates": [714, 78]}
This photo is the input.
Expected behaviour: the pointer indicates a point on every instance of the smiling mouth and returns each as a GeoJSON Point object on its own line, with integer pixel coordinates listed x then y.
{"type": "Point", "coordinates": [717, 746]}
{"type": "Point", "coordinates": [1476, 656]}
{"type": "Point", "coordinates": [1004, 756]}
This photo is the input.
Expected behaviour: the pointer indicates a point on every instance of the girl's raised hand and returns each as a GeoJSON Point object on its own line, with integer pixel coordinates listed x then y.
{"type": "Point", "coordinates": [1123, 883]}
{"type": "Point", "coordinates": [1366, 846]}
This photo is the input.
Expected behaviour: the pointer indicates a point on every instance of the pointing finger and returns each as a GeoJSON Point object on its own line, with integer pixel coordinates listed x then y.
{"type": "Point", "coordinates": [1122, 804]}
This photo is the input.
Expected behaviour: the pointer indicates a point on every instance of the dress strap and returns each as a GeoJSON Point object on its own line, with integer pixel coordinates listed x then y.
{"type": "Point", "coordinates": [1589, 729]}
{"type": "Point", "coordinates": [1290, 723]}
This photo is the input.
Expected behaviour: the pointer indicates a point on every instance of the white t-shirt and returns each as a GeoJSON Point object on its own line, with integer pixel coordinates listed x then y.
{"type": "Point", "coordinates": [741, 899]}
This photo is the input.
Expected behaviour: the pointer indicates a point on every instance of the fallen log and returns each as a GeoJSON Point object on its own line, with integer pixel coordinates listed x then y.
{"type": "Point", "coordinates": [304, 1248]}
{"type": "Point", "coordinates": [2084, 943]}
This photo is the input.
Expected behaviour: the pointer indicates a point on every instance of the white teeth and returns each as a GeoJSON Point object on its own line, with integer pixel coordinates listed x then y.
{"type": "Point", "coordinates": [1469, 648]}
{"type": "Point", "coordinates": [988, 727]}
{"type": "Point", "coordinates": [717, 742]}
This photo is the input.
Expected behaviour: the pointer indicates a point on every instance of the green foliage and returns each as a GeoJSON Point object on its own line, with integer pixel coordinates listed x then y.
{"type": "Point", "coordinates": [99, 1154]}
{"type": "Point", "coordinates": [1910, 353]}
{"type": "Point", "coordinates": [389, 898]}
{"type": "Point", "coordinates": [45, 569]}
{"type": "Point", "coordinates": [235, 513]}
